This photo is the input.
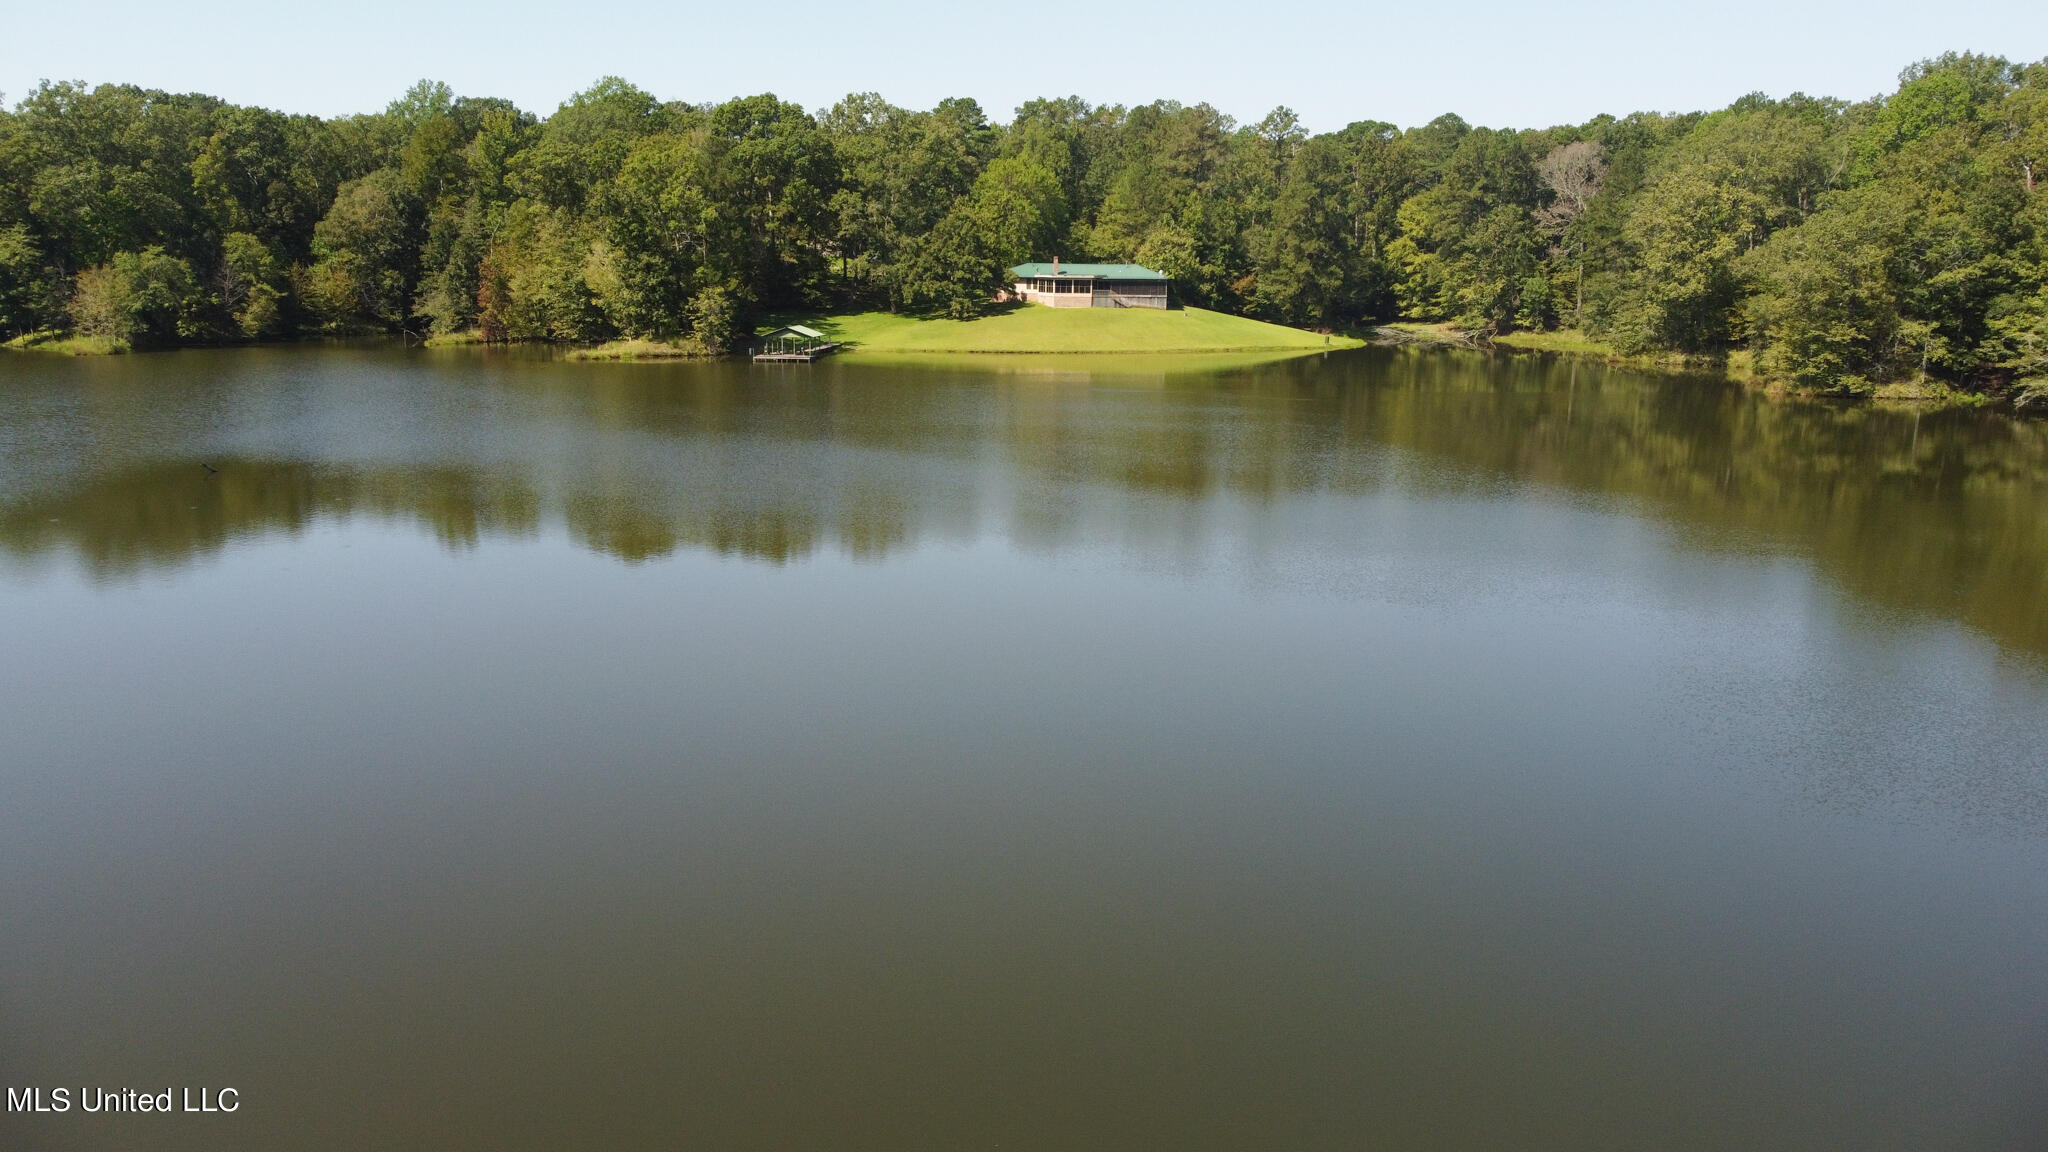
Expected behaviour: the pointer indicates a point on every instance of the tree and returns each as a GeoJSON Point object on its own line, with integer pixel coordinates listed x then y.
{"type": "Point", "coordinates": [266, 174]}
{"type": "Point", "coordinates": [251, 285]}
{"type": "Point", "coordinates": [583, 144]}
{"type": "Point", "coordinates": [1020, 208]}
{"type": "Point", "coordinates": [1718, 192]}
{"type": "Point", "coordinates": [1468, 245]}
{"type": "Point", "coordinates": [661, 225]}
{"type": "Point", "coordinates": [1846, 245]}
{"type": "Point", "coordinates": [1306, 265]}
{"type": "Point", "coordinates": [899, 173]}
{"type": "Point", "coordinates": [714, 314]}
{"type": "Point", "coordinates": [1827, 311]}
{"type": "Point", "coordinates": [773, 174]}
{"type": "Point", "coordinates": [1955, 88]}
{"type": "Point", "coordinates": [24, 282]}
{"type": "Point", "coordinates": [1573, 174]}
{"type": "Point", "coordinates": [109, 170]}
{"type": "Point", "coordinates": [365, 248]}
{"type": "Point", "coordinates": [145, 298]}
{"type": "Point", "coordinates": [535, 283]}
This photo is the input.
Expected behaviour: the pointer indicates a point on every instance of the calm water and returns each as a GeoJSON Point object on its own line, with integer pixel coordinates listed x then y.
{"type": "Point", "coordinates": [1389, 750]}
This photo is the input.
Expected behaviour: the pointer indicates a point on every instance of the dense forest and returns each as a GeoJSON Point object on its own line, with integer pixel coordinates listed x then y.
{"type": "Point", "coordinates": [1837, 245]}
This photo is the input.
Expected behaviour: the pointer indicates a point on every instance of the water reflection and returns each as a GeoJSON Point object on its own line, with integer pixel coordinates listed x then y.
{"type": "Point", "coordinates": [167, 513]}
{"type": "Point", "coordinates": [1941, 512]}
{"type": "Point", "coordinates": [1927, 512]}
{"type": "Point", "coordinates": [1395, 749]}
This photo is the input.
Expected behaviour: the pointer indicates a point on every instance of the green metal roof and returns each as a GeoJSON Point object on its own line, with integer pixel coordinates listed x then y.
{"type": "Point", "coordinates": [1096, 271]}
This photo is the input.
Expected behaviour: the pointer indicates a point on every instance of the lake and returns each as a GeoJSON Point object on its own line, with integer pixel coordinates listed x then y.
{"type": "Point", "coordinates": [1391, 749]}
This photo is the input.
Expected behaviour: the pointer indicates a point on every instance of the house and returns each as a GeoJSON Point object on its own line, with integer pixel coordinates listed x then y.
{"type": "Point", "coordinates": [1091, 285]}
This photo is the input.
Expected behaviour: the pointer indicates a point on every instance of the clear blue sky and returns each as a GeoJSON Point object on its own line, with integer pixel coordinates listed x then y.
{"type": "Point", "coordinates": [1517, 65]}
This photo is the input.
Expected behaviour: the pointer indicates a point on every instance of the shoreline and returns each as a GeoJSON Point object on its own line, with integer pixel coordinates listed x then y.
{"type": "Point", "coordinates": [1395, 334]}
{"type": "Point", "coordinates": [1733, 369]}
{"type": "Point", "coordinates": [53, 344]}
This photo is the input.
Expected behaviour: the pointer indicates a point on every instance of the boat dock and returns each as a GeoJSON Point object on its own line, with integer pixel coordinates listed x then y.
{"type": "Point", "coordinates": [794, 344]}
{"type": "Point", "coordinates": [804, 356]}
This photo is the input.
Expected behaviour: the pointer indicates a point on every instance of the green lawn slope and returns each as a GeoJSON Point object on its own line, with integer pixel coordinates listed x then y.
{"type": "Point", "coordinates": [1035, 328]}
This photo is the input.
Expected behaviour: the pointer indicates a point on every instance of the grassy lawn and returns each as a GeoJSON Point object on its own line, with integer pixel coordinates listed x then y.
{"type": "Point", "coordinates": [1035, 328]}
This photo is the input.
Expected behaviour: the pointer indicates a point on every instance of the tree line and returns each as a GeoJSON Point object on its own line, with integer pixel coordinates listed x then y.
{"type": "Point", "coordinates": [1841, 245]}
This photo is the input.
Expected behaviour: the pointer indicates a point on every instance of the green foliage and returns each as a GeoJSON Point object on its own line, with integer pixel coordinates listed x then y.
{"type": "Point", "coordinates": [1843, 247]}
{"type": "Point", "coordinates": [1468, 243]}
{"type": "Point", "coordinates": [583, 144]}
{"type": "Point", "coordinates": [951, 270]}
{"type": "Point", "coordinates": [142, 298]}
{"type": "Point", "coordinates": [1015, 209]}
{"type": "Point", "coordinates": [108, 170]}
{"type": "Point", "coordinates": [365, 252]}
{"type": "Point", "coordinates": [2018, 342]}
{"type": "Point", "coordinates": [899, 173]}
{"type": "Point", "coordinates": [1827, 306]}
{"type": "Point", "coordinates": [252, 285]}
{"type": "Point", "coordinates": [268, 175]}
{"type": "Point", "coordinates": [1304, 262]}
{"type": "Point", "coordinates": [1717, 192]}
{"type": "Point", "coordinates": [24, 282]}
{"type": "Point", "coordinates": [660, 229]}
{"type": "Point", "coordinates": [1933, 95]}
{"type": "Point", "coordinates": [714, 316]}
{"type": "Point", "coordinates": [538, 285]}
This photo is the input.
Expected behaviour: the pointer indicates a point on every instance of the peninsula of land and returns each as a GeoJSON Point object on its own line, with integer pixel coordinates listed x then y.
{"type": "Point", "coordinates": [1029, 329]}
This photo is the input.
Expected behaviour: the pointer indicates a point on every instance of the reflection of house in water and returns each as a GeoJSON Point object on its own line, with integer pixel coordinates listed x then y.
{"type": "Point", "coordinates": [1091, 285]}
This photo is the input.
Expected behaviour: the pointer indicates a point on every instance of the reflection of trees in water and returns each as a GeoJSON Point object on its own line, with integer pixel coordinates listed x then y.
{"type": "Point", "coordinates": [1945, 512]}
{"type": "Point", "coordinates": [633, 532]}
{"type": "Point", "coordinates": [620, 528]}
{"type": "Point", "coordinates": [166, 513]}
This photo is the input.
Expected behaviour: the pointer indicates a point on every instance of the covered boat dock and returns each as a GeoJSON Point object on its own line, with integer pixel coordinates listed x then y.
{"type": "Point", "coordinates": [794, 343]}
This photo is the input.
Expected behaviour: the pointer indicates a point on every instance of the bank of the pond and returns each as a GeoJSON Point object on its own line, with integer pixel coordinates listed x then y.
{"type": "Point", "coordinates": [1032, 329]}
{"type": "Point", "coordinates": [64, 345]}
{"type": "Point", "coordinates": [643, 350]}
{"type": "Point", "coordinates": [635, 349]}
{"type": "Point", "coordinates": [1565, 340]}
{"type": "Point", "coordinates": [1738, 366]}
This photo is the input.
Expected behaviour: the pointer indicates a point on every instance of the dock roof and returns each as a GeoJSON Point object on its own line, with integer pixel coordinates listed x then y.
{"type": "Point", "coordinates": [1089, 271]}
